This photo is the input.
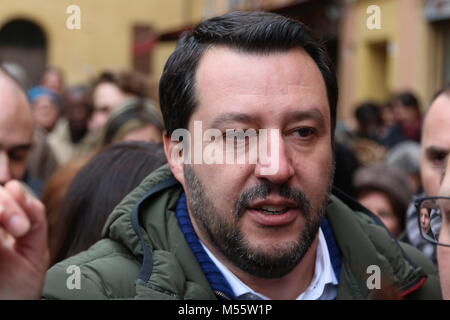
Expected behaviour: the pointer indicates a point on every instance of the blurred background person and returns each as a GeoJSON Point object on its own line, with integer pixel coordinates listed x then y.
{"type": "Point", "coordinates": [68, 139]}
{"type": "Point", "coordinates": [435, 147]}
{"type": "Point", "coordinates": [387, 114]}
{"type": "Point", "coordinates": [365, 140]}
{"type": "Point", "coordinates": [16, 134]}
{"type": "Point", "coordinates": [54, 192]}
{"type": "Point", "coordinates": [425, 221]}
{"type": "Point", "coordinates": [90, 198]}
{"type": "Point", "coordinates": [346, 164]}
{"type": "Point", "coordinates": [47, 107]}
{"type": "Point", "coordinates": [391, 133]}
{"type": "Point", "coordinates": [377, 123]}
{"type": "Point", "coordinates": [135, 120]}
{"type": "Point", "coordinates": [369, 120]}
{"type": "Point", "coordinates": [434, 209]}
{"type": "Point", "coordinates": [110, 90]}
{"type": "Point", "coordinates": [53, 78]}
{"type": "Point", "coordinates": [441, 230]}
{"type": "Point", "coordinates": [386, 192]}
{"type": "Point", "coordinates": [41, 162]}
{"type": "Point", "coordinates": [405, 156]}
{"type": "Point", "coordinates": [407, 114]}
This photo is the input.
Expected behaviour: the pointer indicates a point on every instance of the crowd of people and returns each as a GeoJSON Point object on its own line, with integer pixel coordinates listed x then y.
{"type": "Point", "coordinates": [383, 151]}
{"type": "Point", "coordinates": [114, 201]}
{"type": "Point", "coordinates": [61, 131]}
{"type": "Point", "coordinates": [391, 164]}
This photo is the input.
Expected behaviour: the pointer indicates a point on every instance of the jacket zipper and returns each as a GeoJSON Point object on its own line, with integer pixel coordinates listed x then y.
{"type": "Point", "coordinates": [222, 295]}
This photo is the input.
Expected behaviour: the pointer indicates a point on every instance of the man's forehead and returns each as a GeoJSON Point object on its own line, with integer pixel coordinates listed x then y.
{"type": "Point", "coordinates": [16, 119]}
{"type": "Point", "coordinates": [15, 136]}
{"type": "Point", "coordinates": [263, 90]}
{"type": "Point", "coordinates": [13, 101]}
{"type": "Point", "coordinates": [438, 113]}
{"type": "Point", "coordinates": [230, 79]}
{"type": "Point", "coordinates": [227, 69]}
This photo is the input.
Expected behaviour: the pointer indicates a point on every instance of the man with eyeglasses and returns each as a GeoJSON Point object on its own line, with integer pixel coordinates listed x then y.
{"type": "Point", "coordinates": [434, 218]}
{"type": "Point", "coordinates": [435, 146]}
{"type": "Point", "coordinates": [443, 235]}
{"type": "Point", "coordinates": [436, 229]}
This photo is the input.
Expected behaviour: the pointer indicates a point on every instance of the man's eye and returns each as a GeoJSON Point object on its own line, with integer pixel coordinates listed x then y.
{"type": "Point", "coordinates": [18, 155]}
{"type": "Point", "coordinates": [438, 159]}
{"type": "Point", "coordinates": [305, 133]}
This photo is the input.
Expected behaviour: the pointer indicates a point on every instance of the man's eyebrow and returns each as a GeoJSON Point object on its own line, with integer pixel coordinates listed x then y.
{"type": "Point", "coordinates": [436, 149]}
{"type": "Point", "coordinates": [232, 117]}
{"type": "Point", "coordinates": [20, 147]}
{"type": "Point", "coordinates": [313, 114]}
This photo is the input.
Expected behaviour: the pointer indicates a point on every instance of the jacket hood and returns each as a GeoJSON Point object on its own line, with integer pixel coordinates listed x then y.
{"type": "Point", "coordinates": [119, 225]}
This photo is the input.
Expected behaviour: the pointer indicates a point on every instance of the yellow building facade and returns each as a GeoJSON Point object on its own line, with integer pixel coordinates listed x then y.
{"type": "Point", "coordinates": [403, 52]}
{"type": "Point", "coordinates": [105, 38]}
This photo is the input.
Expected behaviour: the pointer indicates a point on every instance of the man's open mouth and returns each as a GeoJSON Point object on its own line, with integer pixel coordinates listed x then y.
{"type": "Point", "coordinates": [272, 210]}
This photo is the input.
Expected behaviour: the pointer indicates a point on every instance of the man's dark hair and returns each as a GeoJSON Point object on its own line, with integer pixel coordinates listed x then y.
{"type": "Point", "coordinates": [368, 113]}
{"type": "Point", "coordinates": [90, 199]}
{"type": "Point", "coordinates": [129, 82]}
{"type": "Point", "coordinates": [407, 99]}
{"type": "Point", "coordinates": [251, 32]}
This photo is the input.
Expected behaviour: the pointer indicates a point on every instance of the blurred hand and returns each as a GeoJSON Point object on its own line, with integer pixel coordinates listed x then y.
{"type": "Point", "coordinates": [24, 255]}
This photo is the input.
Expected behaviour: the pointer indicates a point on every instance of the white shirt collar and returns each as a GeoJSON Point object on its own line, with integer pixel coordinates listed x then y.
{"type": "Point", "coordinates": [323, 285]}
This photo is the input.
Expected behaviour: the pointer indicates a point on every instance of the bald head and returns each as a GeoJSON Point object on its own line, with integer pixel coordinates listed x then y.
{"type": "Point", "coordinates": [14, 99]}
{"type": "Point", "coordinates": [435, 145]}
{"type": "Point", "coordinates": [16, 129]}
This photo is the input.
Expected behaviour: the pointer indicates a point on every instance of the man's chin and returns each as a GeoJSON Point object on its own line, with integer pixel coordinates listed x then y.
{"type": "Point", "coordinates": [273, 247]}
{"type": "Point", "coordinates": [268, 260]}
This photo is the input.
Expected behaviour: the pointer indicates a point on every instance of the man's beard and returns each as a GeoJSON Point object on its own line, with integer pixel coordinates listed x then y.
{"type": "Point", "coordinates": [223, 232]}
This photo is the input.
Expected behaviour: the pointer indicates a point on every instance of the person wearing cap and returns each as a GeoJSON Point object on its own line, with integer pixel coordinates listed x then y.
{"type": "Point", "coordinates": [46, 107]}
{"type": "Point", "coordinates": [386, 192]}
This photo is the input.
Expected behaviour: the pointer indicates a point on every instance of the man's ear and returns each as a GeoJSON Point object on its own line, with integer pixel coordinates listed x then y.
{"type": "Point", "coordinates": [175, 154]}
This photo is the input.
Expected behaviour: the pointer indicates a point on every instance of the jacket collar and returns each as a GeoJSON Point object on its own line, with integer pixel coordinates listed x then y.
{"type": "Point", "coordinates": [153, 214]}
{"type": "Point", "coordinates": [365, 243]}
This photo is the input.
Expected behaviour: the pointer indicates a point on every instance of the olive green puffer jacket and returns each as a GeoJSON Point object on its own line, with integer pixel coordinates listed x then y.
{"type": "Point", "coordinates": [144, 254]}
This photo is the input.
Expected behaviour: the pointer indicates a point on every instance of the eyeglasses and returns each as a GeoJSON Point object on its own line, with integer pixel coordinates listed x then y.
{"type": "Point", "coordinates": [431, 211]}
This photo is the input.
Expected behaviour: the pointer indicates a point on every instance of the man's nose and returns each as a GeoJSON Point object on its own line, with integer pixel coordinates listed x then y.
{"type": "Point", "coordinates": [5, 173]}
{"type": "Point", "coordinates": [276, 165]}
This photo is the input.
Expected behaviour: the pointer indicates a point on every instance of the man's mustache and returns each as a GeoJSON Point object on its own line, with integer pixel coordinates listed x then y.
{"type": "Point", "coordinates": [266, 188]}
